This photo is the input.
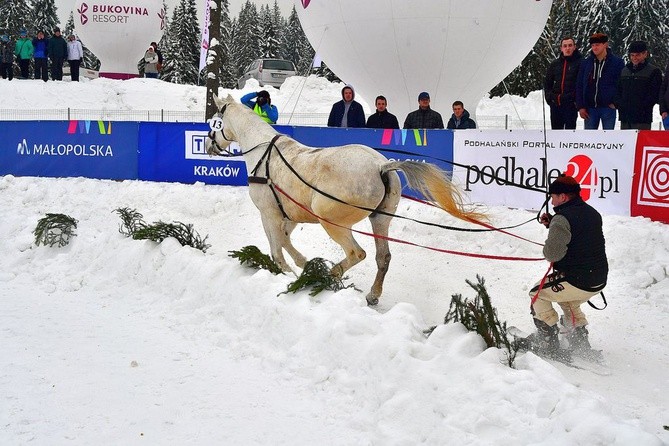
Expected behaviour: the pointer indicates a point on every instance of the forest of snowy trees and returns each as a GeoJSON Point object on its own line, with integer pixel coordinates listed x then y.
{"type": "Point", "coordinates": [264, 32]}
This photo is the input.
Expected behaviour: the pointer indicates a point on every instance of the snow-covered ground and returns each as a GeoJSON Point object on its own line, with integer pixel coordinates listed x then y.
{"type": "Point", "coordinates": [115, 341]}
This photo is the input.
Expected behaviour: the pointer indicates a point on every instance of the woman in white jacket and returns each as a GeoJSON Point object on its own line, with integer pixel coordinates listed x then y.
{"type": "Point", "coordinates": [151, 63]}
{"type": "Point", "coordinates": [75, 54]}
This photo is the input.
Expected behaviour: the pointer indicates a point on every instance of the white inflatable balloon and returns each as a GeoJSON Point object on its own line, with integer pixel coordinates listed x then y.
{"type": "Point", "coordinates": [453, 49]}
{"type": "Point", "coordinates": [119, 32]}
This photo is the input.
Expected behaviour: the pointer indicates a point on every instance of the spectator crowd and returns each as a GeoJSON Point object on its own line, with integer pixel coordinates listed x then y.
{"type": "Point", "coordinates": [43, 52]}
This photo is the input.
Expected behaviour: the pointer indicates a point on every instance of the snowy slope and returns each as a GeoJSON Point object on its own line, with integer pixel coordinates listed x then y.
{"type": "Point", "coordinates": [115, 341]}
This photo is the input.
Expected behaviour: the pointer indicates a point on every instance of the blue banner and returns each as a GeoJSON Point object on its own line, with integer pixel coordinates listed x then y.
{"type": "Point", "coordinates": [176, 152]}
{"type": "Point", "coordinates": [433, 146]}
{"type": "Point", "coordinates": [93, 149]}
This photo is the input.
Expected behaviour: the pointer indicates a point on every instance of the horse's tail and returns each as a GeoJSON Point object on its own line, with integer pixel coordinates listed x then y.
{"type": "Point", "coordinates": [434, 185]}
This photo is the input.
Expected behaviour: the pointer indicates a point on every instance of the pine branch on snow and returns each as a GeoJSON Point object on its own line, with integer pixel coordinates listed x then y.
{"type": "Point", "coordinates": [55, 229]}
{"type": "Point", "coordinates": [252, 257]}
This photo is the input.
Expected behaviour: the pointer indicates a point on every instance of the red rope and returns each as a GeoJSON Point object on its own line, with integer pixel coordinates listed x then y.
{"type": "Point", "coordinates": [481, 223]}
{"type": "Point", "coordinates": [541, 284]}
{"type": "Point", "coordinates": [392, 239]}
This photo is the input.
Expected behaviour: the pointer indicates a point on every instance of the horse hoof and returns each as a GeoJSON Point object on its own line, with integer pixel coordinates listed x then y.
{"type": "Point", "coordinates": [371, 301]}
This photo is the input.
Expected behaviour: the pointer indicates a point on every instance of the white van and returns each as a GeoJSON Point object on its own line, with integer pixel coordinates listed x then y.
{"type": "Point", "coordinates": [268, 72]}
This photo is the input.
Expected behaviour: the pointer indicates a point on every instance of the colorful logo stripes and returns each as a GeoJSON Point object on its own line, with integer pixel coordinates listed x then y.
{"type": "Point", "coordinates": [399, 137]}
{"type": "Point", "coordinates": [84, 127]}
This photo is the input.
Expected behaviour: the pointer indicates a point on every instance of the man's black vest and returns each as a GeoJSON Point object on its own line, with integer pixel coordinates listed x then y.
{"type": "Point", "coordinates": [585, 265]}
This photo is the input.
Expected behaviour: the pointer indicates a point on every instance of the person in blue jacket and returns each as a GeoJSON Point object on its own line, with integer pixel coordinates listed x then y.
{"type": "Point", "coordinates": [597, 83]}
{"type": "Point", "coordinates": [41, 54]}
{"type": "Point", "coordinates": [262, 105]}
{"type": "Point", "coordinates": [347, 112]}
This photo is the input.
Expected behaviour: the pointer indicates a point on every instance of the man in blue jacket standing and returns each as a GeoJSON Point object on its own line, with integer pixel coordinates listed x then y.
{"type": "Point", "coordinates": [596, 84]}
{"type": "Point", "coordinates": [41, 46]}
{"type": "Point", "coordinates": [347, 112]}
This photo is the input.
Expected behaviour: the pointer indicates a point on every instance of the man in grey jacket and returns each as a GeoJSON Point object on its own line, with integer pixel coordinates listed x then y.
{"type": "Point", "coordinates": [576, 248]}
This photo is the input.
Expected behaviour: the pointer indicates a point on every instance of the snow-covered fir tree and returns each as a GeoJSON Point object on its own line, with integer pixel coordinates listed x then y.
{"type": "Point", "coordinates": [270, 38]}
{"type": "Point", "coordinates": [246, 43]}
{"type": "Point", "coordinates": [14, 15]}
{"type": "Point", "coordinates": [644, 20]}
{"type": "Point", "coordinates": [45, 16]}
{"type": "Point", "coordinates": [228, 69]}
{"type": "Point", "coordinates": [594, 16]}
{"type": "Point", "coordinates": [295, 46]}
{"type": "Point", "coordinates": [181, 55]}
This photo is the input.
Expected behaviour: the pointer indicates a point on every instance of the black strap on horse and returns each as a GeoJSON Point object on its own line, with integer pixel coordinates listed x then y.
{"type": "Point", "coordinates": [378, 211]}
{"type": "Point", "coordinates": [266, 179]}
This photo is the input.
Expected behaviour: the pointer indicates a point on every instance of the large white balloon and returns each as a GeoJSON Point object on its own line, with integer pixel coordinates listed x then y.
{"type": "Point", "coordinates": [453, 49]}
{"type": "Point", "coordinates": [119, 32]}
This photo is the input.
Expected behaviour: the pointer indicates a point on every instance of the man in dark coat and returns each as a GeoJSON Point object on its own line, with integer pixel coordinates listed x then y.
{"type": "Point", "coordinates": [596, 84]}
{"type": "Point", "coordinates": [560, 86]}
{"type": "Point", "coordinates": [424, 117]}
{"type": "Point", "coordinates": [664, 99]}
{"type": "Point", "coordinates": [347, 112]}
{"type": "Point", "coordinates": [57, 53]}
{"type": "Point", "coordinates": [638, 89]}
{"type": "Point", "coordinates": [382, 118]}
{"type": "Point", "coordinates": [460, 118]}
{"type": "Point", "coordinates": [576, 247]}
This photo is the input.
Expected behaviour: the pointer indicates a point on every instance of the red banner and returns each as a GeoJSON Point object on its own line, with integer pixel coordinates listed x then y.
{"type": "Point", "coordinates": [650, 185]}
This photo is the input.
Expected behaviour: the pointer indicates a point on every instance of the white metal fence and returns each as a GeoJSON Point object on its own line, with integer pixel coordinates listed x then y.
{"type": "Point", "coordinates": [506, 122]}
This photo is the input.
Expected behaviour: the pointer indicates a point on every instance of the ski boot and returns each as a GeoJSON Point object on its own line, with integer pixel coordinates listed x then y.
{"type": "Point", "coordinates": [580, 345]}
{"type": "Point", "coordinates": [544, 342]}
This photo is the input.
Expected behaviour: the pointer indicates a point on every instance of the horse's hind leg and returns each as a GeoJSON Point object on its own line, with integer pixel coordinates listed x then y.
{"type": "Point", "coordinates": [297, 256]}
{"type": "Point", "coordinates": [380, 225]}
{"type": "Point", "coordinates": [354, 253]}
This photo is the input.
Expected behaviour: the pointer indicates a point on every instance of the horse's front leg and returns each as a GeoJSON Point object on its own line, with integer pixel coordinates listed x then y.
{"type": "Point", "coordinates": [275, 236]}
{"type": "Point", "coordinates": [288, 227]}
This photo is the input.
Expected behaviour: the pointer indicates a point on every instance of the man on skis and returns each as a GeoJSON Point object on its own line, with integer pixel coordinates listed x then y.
{"type": "Point", "coordinates": [575, 246]}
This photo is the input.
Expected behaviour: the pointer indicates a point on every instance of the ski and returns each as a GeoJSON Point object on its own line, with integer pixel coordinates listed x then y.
{"type": "Point", "coordinates": [588, 360]}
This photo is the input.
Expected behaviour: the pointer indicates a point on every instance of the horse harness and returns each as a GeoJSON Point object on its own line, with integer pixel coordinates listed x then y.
{"type": "Point", "coordinates": [253, 178]}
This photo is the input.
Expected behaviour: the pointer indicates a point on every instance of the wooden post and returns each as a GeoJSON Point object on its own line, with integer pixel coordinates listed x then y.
{"type": "Point", "coordinates": [213, 56]}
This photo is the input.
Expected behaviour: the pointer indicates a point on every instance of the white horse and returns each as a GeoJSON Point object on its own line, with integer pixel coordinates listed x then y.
{"type": "Point", "coordinates": [336, 187]}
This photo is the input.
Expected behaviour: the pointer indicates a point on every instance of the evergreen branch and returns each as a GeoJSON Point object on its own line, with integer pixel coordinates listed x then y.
{"type": "Point", "coordinates": [55, 229]}
{"type": "Point", "coordinates": [480, 316]}
{"type": "Point", "coordinates": [184, 234]}
{"type": "Point", "coordinates": [132, 221]}
{"type": "Point", "coordinates": [318, 275]}
{"type": "Point", "coordinates": [252, 257]}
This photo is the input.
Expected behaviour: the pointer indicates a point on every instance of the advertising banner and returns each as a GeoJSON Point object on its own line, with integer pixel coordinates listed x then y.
{"type": "Point", "coordinates": [650, 186]}
{"type": "Point", "coordinates": [176, 152]}
{"type": "Point", "coordinates": [601, 162]}
{"type": "Point", "coordinates": [92, 149]}
{"type": "Point", "coordinates": [119, 32]}
{"type": "Point", "coordinates": [434, 146]}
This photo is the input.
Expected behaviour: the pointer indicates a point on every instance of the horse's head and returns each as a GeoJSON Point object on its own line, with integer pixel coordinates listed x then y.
{"type": "Point", "coordinates": [221, 134]}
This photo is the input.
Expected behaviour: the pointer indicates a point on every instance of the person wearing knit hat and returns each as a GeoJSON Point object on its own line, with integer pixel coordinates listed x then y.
{"type": "Point", "coordinates": [575, 246]}
{"type": "Point", "coordinates": [638, 89]}
{"type": "Point", "coordinates": [262, 105]}
{"type": "Point", "coordinates": [24, 52]}
{"type": "Point", "coordinates": [596, 84]}
{"type": "Point", "coordinates": [424, 117]}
